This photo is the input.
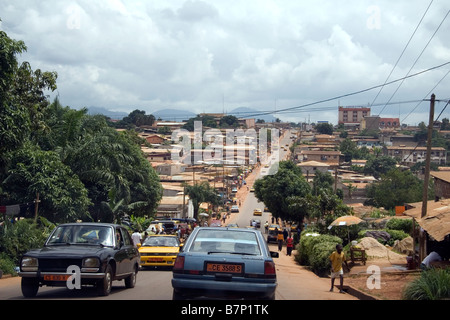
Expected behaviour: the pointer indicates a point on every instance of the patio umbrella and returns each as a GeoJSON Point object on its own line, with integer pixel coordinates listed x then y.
{"type": "Point", "coordinates": [345, 221]}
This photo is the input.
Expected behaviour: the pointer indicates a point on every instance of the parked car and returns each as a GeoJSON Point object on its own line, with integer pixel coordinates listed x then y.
{"type": "Point", "coordinates": [225, 262]}
{"type": "Point", "coordinates": [235, 208]}
{"type": "Point", "coordinates": [102, 253]}
{"type": "Point", "coordinates": [159, 251]}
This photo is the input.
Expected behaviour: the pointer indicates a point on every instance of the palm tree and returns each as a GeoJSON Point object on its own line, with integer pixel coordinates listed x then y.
{"type": "Point", "coordinates": [201, 192]}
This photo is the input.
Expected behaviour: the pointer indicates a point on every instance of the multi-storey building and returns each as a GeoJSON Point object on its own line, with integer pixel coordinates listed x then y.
{"type": "Point", "coordinates": [352, 115]}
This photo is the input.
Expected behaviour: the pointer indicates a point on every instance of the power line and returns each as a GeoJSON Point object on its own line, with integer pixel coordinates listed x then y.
{"type": "Point", "coordinates": [401, 55]}
{"type": "Point", "coordinates": [426, 95]}
{"type": "Point", "coordinates": [353, 93]}
{"type": "Point", "coordinates": [420, 55]}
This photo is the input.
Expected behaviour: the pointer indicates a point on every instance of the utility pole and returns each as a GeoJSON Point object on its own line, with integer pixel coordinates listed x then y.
{"type": "Point", "coordinates": [36, 205]}
{"type": "Point", "coordinates": [428, 159]}
{"type": "Point", "coordinates": [422, 248]}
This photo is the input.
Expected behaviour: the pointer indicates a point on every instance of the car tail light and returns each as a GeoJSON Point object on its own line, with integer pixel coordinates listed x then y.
{"type": "Point", "coordinates": [269, 269]}
{"type": "Point", "coordinates": [179, 264]}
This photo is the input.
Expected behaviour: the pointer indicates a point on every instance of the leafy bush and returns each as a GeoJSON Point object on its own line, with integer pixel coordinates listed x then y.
{"type": "Point", "coordinates": [396, 235]}
{"type": "Point", "coordinates": [400, 224]}
{"type": "Point", "coordinates": [6, 264]}
{"type": "Point", "coordinates": [314, 251]}
{"type": "Point", "coordinates": [19, 237]}
{"type": "Point", "coordinates": [433, 284]}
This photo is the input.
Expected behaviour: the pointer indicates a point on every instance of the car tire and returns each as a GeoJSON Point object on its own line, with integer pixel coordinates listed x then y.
{"type": "Point", "coordinates": [104, 286]}
{"type": "Point", "coordinates": [29, 287]}
{"type": "Point", "coordinates": [130, 282]}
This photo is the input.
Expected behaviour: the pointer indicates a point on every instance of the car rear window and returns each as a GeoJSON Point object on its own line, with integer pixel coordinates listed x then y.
{"type": "Point", "coordinates": [226, 241]}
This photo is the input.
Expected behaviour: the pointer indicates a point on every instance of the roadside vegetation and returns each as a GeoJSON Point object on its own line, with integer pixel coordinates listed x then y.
{"type": "Point", "coordinates": [60, 165]}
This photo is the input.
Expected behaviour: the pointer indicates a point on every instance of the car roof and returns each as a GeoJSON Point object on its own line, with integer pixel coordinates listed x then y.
{"type": "Point", "coordinates": [104, 224]}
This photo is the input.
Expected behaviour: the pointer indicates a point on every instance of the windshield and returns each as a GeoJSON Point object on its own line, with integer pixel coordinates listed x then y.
{"type": "Point", "coordinates": [82, 234]}
{"type": "Point", "coordinates": [226, 241]}
{"type": "Point", "coordinates": [160, 242]}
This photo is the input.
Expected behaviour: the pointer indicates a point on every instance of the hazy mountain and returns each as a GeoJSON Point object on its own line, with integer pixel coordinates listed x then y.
{"type": "Point", "coordinates": [116, 115]}
{"type": "Point", "coordinates": [173, 115]}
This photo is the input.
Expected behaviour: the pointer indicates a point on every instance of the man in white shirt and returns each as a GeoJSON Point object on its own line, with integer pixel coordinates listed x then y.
{"type": "Point", "coordinates": [136, 237]}
{"type": "Point", "coordinates": [433, 256]}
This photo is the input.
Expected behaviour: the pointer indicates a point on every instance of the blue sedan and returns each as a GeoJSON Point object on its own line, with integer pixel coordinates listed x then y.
{"type": "Point", "coordinates": [225, 263]}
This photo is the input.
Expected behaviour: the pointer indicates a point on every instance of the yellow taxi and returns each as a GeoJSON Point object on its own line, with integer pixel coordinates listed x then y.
{"type": "Point", "coordinates": [159, 251]}
{"type": "Point", "coordinates": [257, 212]}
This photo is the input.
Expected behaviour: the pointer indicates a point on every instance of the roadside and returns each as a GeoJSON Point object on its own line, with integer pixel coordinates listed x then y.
{"type": "Point", "coordinates": [308, 286]}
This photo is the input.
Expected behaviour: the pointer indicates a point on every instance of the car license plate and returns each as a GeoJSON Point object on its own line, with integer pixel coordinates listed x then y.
{"type": "Point", "coordinates": [155, 260]}
{"type": "Point", "coordinates": [224, 267]}
{"type": "Point", "coordinates": [56, 277]}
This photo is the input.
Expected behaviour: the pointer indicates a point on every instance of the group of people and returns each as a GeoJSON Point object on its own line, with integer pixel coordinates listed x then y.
{"type": "Point", "coordinates": [285, 237]}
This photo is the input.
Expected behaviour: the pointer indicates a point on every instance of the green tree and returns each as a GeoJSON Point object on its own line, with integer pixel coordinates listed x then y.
{"type": "Point", "coordinates": [395, 189]}
{"type": "Point", "coordinates": [201, 192]}
{"type": "Point", "coordinates": [379, 166]}
{"type": "Point", "coordinates": [63, 197]}
{"type": "Point", "coordinates": [324, 128]}
{"type": "Point", "coordinates": [229, 122]}
{"type": "Point", "coordinates": [274, 190]}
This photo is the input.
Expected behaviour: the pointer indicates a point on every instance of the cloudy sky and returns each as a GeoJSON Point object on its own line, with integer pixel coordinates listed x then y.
{"type": "Point", "coordinates": [214, 55]}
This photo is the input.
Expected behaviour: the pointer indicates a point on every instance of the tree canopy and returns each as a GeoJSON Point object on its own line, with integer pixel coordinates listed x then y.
{"type": "Point", "coordinates": [77, 163]}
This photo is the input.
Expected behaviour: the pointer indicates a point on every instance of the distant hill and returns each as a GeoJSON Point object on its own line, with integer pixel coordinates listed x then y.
{"type": "Point", "coordinates": [173, 115]}
{"type": "Point", "coordinates": [116, 115]}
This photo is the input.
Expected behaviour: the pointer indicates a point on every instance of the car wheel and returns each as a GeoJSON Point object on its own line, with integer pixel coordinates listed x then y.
{"type": "Point", "coordinates": [29, 287]}
{"type": "Point", "coordinates": [130, 282]}
{"type": "Point", "coordinates": [104, 285]}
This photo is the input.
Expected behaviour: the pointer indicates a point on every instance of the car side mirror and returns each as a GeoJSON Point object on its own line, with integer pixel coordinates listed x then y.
{"type": "Point", "coordinates": [274, 254]}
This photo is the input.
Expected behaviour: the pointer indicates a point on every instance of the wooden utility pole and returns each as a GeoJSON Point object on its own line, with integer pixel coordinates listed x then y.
{"type": "Point", "coordinates": [422, 247]}
{"type": "Point", "coordinates": [428, 159]}
{"type": "Point", "coordinates": [36, 206]}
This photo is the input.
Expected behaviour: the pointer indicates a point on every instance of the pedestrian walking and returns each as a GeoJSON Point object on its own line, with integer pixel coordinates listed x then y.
{"type": "Point", "coordinates": [280, 239]}
{"type": "Point", "coordinates": [289, 245]}
{"type": "Point", "coordinates": [266, 226]}
{"type": "Point", "coordinates": [136, 237]}
{"type": "Point", "coordinates": [337, 258]}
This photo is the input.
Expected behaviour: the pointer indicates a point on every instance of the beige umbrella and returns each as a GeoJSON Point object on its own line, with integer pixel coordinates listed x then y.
{"type": "Point", "coordinates": [345, 221]}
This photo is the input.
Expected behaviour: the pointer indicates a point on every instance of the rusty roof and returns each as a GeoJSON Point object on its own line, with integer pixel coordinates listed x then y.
{"type": "Point", "coordinates": [437, 220]}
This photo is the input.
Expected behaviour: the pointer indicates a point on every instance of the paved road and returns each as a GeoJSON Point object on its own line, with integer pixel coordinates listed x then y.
{"type": "Point", "coordinates": [294, 281]}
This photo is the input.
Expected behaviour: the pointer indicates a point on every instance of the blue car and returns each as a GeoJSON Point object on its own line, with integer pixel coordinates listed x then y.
{"type": "Point", "coordinates": [225, 263]}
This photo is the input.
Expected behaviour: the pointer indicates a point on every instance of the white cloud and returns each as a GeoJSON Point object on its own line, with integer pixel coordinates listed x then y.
{"type": "Point", "coordinates": [258, 53]}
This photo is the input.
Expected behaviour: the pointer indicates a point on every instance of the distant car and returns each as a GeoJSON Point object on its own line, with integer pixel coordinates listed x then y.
{"type": "Point", "coordinates": [159, 251]}
{"type": "Point", "coordinates": [232, 225]}
{"type": "Point", "coordinates": [215, 223]}
{"type": "Point", "coordinates": [225, 263]}
{"type": "Point", "coordinates": [102, 253]}
{"type": "Point", "coordinates": [273, 233]}
{"type": "Point", "coordinates": [252, 189]}
{"type": "Point", "coordinates": [257, 212]}
{"type": "Point", "coordinates": [235, 208]}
